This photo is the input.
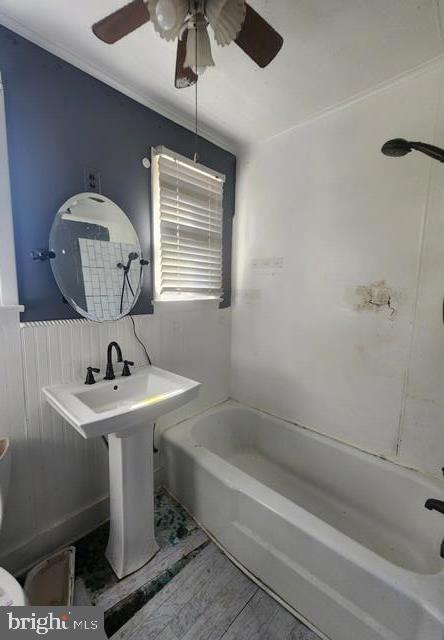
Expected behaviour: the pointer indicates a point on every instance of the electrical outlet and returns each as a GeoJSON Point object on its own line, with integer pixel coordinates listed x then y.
{"type": "Point", "coordinates": [92, 180]}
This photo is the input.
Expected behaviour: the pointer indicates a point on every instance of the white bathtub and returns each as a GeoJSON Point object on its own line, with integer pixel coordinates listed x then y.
{"type": "Point", "coordinates": [339, 535]}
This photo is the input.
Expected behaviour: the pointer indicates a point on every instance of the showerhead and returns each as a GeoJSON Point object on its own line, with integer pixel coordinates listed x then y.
{"type": "Point", "coordinates": [396, 148]}
{"type": "Point", "coordinates": [399, 147]}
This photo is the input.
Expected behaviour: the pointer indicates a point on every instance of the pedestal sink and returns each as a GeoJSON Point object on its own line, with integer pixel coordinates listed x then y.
{"type": "Point", "coordinates": [125, 409]}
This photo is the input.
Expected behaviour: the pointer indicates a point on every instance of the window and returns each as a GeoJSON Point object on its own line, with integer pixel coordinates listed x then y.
{"type": "Point", "coordinates": [187, 225]}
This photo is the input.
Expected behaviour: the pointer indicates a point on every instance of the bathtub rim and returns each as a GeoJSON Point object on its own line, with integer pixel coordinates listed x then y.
{"type": "Point", "coordinates": [423, 476]}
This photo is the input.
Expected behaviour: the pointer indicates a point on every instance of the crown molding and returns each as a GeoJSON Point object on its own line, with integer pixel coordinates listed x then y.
{"type": "Point", "coordinates": [77, 61]}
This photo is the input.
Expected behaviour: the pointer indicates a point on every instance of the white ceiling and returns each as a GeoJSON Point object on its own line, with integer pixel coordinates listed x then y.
{"type": "Point", "coordinates": [333, 50]}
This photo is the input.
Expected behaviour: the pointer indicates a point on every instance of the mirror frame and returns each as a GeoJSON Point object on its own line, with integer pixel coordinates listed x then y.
{"type": "Point", "coordinates": [64, 291]}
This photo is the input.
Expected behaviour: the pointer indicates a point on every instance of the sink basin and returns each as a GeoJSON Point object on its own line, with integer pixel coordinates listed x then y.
{"type": "Point", "coordinates": [117, 406]}
{"type": "Point", "coordinates": [126, 408]}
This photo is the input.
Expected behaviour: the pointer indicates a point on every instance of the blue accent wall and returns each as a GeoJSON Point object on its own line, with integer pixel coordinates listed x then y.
{"type": "Point", "coordinates": [61, 121]}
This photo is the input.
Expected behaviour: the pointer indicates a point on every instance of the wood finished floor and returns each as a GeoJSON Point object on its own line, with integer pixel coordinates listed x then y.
{"type": "Point", "coordinates": [188, 591]}
{"type": "Point", "coordinates": [211, 599]}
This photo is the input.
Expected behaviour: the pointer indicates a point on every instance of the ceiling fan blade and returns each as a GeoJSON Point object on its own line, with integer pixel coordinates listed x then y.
{"type": "Point", "coordinates": [258, 39]}
{"type": "Point", "coordinates": [185, 77]}
{"type": "Point", "coordinates": [122, 22]}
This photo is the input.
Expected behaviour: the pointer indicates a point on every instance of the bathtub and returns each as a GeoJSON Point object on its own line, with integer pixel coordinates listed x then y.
{"type": "Point", "coordinates": [340, 536]}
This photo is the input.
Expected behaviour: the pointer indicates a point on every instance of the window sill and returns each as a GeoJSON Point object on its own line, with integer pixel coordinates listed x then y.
{"type": "Point", "coordinates": [11, 308]}
{"type": "Point", "coordinates": [186, 304]}
{"type": "Point", "coordinates": [188, 299]}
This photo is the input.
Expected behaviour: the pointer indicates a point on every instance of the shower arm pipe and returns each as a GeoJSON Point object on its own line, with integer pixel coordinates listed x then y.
{"type": "Point", "coordinates": [429, 149]}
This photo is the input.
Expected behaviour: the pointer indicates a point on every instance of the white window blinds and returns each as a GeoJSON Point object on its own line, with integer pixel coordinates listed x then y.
{"type": "Point", "coordinates": [188, 222]}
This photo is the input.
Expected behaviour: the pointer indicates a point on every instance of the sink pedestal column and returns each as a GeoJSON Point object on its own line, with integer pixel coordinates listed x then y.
{"type": "Point", "coordinates": [131, 540]}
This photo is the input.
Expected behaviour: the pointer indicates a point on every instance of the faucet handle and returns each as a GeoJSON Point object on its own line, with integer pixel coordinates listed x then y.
{"type": "Point", "coordinates": [89, 375]}
{"type": "Point", "coordinates": [126, 368]}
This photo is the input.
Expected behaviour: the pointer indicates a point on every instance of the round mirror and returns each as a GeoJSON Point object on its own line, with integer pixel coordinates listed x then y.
{"type": "Point", "coordinates": [96, 257]}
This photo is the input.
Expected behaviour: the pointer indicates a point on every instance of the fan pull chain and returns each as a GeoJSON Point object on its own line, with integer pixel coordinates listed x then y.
{"type": "Point", "coordinates": [196, 154]}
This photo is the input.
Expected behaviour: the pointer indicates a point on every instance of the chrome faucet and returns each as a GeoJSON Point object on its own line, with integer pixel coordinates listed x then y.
{"type": "Point", "coordinates": [109, 364]}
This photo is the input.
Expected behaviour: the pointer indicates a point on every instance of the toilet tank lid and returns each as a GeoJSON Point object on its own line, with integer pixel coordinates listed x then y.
{"type": "Point", "coordinates": [11, 593]}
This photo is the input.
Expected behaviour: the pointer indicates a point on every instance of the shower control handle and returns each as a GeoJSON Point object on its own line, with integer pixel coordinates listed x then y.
{"type": "Point", "coordinates": [435, 505]}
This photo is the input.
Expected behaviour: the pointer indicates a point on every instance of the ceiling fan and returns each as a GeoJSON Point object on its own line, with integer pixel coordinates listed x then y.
{"type": "Point", "coordinates": [188, 20]}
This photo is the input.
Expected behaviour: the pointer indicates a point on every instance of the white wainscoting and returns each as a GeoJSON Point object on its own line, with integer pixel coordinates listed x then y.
{"type": "Point", "coordinates": [59, 488]}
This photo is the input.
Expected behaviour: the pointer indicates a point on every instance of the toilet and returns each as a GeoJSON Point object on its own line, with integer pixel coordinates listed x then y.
{"type": "Point", "coordinates": [11, 593]}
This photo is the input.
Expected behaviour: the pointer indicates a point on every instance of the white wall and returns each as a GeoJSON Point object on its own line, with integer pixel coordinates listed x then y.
{"type": "Point", "coordinates": [60, 481]}
{"type": "Point", "coordinates": [321, 216]}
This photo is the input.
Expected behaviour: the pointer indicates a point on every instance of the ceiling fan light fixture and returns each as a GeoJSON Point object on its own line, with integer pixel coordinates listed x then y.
{"type": "Point", "coordinates": [198, 56]}
{"type": "Point", "coordinates": [226, 18]}
{"type": "Point", "coordinates": [168, 16]}
{"type": "Point", "coordinates": [188, 20]}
